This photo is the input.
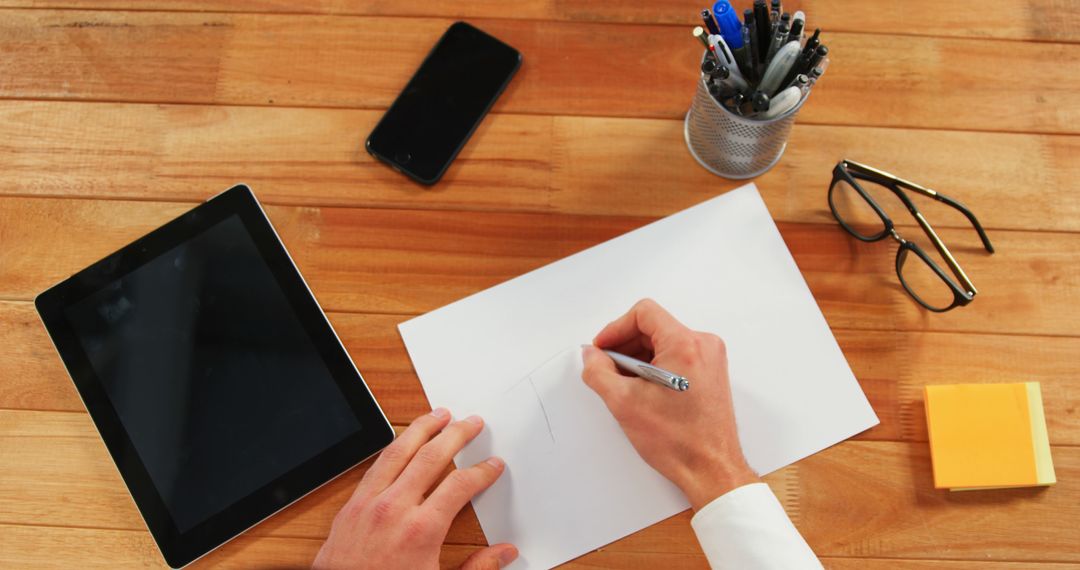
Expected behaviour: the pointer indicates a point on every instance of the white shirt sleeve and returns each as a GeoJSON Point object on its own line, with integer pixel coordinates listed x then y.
{"type": "Point", "coordinates": [747, 528]}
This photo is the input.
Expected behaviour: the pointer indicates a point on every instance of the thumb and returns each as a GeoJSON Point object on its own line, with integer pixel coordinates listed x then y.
{"type": "Point", "coordinates": [491, 558]}
{"type": "Point", "coordinates": [601, 375]}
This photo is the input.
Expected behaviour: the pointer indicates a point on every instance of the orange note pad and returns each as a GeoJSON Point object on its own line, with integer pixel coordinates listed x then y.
{"type": "Point", "coordinates": [988, 436]}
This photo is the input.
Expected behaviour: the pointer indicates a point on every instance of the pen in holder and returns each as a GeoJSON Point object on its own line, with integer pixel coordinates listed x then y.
{"type": "Point", "coordinates": [730, 145]}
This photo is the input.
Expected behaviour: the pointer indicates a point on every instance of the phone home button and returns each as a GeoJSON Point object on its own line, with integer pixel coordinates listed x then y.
{"type": "Point", "coordinates": [402, 158]}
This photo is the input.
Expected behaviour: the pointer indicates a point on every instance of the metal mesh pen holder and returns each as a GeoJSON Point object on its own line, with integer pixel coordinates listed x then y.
{"type": "Point", "coordinates": [732, 146]}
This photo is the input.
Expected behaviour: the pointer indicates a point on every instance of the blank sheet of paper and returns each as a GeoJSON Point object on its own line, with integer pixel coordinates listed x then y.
{"type": "Point", "coordinates": [510, 353]}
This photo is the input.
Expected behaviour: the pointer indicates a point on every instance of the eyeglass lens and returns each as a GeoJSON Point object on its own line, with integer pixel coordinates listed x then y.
{"type": "Point", "coordinates": [923, 283]}
{"type": "Point", "coordinates": [854, 211]}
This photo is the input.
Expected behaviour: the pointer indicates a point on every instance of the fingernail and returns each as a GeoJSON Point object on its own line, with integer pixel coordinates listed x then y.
{"type": "Point", "coordinates": [586, 350]}
{"type": "Point", "coordinates": [474, 420]}
{"type": "Point", "coordinates": [507, 556]}
{"type": "Point", "coordinates": [496, 462]}
{"type": "Point", "coordinates": [441, 413]}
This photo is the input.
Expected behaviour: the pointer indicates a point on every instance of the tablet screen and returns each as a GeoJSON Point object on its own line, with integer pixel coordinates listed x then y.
{"type": "Point", "coordinates": [211, 372]}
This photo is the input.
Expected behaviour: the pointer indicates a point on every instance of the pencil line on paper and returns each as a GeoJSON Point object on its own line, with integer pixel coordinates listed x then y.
{"type": "Point", "coordinates": [538, 367]}
{"type": "Point", "coordinates": [532, 383]}
{"type": "Point", "coordinates": [540, 400]}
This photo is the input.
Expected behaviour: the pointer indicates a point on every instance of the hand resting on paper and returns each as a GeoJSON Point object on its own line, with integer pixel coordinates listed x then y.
{"type": "Point", "coordinates": [689, 437]}
{"type": "Point", "coordinates": [391, 521]}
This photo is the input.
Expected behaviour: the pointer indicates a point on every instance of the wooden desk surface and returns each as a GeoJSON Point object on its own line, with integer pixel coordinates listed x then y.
{"type": "Point", "coordinates": [116, 115]}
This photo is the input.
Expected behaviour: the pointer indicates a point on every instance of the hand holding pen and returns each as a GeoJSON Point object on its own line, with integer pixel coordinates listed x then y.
{"type": "Point", "coordinates": [689, 437]}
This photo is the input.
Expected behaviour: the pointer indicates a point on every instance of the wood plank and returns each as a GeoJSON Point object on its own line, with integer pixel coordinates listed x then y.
{"type": "Point", "coordinates": [407, 261]}
{"type": "Point", "coordinates": [362, 62]}
{"type": "Point", "coordinates": [23, 545]}
{"type": "Point", "coordinates": [858, 563]}
{"type": "Point", "coordinates": [580, 165]}
{"type": "Point", "coordinates": [876, 499]}
{"type": "Point", "coordinates": [891, 367]}
{"type": "Point", "coordinates": [1041, 20]}
{"type": "Point", "coordinates": [870, 499]}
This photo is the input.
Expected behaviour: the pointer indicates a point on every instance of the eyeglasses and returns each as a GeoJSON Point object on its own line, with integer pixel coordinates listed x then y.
{"type": "Point", "coordinates": [861, 216]}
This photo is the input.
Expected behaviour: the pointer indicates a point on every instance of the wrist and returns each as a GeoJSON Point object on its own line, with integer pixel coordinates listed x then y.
{"type": "Point", "coordinates": [703, 485]}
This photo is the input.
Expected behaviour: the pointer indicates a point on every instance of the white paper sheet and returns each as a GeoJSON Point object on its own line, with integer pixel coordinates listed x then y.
{"type": "Point", "coordinates": [573, 481]}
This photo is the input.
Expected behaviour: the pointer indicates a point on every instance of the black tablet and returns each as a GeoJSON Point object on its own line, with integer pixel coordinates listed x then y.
{"type": "Point", "coordinates": [219, 387]}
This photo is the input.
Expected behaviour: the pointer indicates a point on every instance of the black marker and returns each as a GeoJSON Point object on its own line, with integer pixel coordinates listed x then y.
{"type": "Point", "coordinates": [819, 54]}
{"type": "Point", "coordinates": [802, 64]}
{"type": "Point", "coordinates": [737, 103]}
{"type": "Point", "coordinates": [764, 28]}
{"type": "Point", "coordinates": [796, 29]}
{"type": "Point", "coordinates": [760, 102]}
{"type": "Point", "coordinates": [812, 43]}
{"type": "Point", "coordinates": [708, 66]}
{"type": "Point", "coordinates": [724, 75]}
{"type": "Point", "coordinates": [750, 35]}
{"type": "Point", "coordinates": [710, 22]}
{"type": "Point", "coordinates": [778, 40]}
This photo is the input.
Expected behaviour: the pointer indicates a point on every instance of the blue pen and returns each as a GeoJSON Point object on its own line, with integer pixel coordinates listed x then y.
{"type": "Point", "coordinates": [731, 29]}
{"type": "Point", "coordinates": [728, 20]}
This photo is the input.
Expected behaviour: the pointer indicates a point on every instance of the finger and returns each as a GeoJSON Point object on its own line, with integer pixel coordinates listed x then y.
{"type": "Point", "coordinates": [393, 460]}
{"type": "Point", "coordinates": [640, 347]}
{"type": "Point", "coordinates": [491, 558]}
{"type": "Point", "coordinates": [432, 459]}
{"type": "Point", "coordinates": [601, 375]}
{"type": "Point", "coordinates": [460, 486]}
{"type": "Point", "coordinates": [645, 318]}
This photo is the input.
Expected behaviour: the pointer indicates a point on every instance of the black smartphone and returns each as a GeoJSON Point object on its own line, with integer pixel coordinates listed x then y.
{"type": "Point", "coordinates": [441, 106]}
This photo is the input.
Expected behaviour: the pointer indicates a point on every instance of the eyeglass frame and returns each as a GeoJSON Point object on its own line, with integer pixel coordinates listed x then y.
{"type": "Point", "coordinates": [849, 171]}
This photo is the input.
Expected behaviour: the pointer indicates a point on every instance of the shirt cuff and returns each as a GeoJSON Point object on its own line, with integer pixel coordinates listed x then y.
{"type": "Point", "coordinates": [748, 528]}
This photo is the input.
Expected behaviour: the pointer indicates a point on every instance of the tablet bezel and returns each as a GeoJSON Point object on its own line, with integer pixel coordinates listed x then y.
{"type": "Point", "coordinates": [180, 549]}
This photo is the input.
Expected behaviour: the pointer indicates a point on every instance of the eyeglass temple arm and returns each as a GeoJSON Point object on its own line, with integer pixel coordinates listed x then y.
{"type": "Point", "coordinates": [970, 216]}
{"type": "Point", "coordinates": [929, 193]}
{"type": "Point", "coordinates": [945, 253]}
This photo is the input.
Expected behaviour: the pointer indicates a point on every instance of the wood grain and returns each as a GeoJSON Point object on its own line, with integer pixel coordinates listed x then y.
{"type": "Point", "coordinates": [860, 563]}
{"type": "Point", "coordinates": [1040, 20]}
{"type": "Point", "coordinates": [889, 508]}
{"type": "Point", "coordinates": [892, 368]}
{"type": "Point", "coordinates": [132, 549]}
{"type": "Point", "coordinates": [116, 116]}
{"type": "Point", "coordinates": [362, 62]}
{"type": "Point", "coordinates": [408, 261]}
{"type": "Point", "coordinates": [513, 163]}
{"type": "Point", "coordinates": [850, 500]}
{"type": "Point", "coordinates": [21, 546]}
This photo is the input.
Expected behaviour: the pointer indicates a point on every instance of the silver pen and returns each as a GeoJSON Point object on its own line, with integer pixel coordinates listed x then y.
{"type": "Point", "coordinates": [649, 372]}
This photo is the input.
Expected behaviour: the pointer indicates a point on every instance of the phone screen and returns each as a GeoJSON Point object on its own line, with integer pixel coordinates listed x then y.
{"type": "Point", "coordinates": [443, 103]}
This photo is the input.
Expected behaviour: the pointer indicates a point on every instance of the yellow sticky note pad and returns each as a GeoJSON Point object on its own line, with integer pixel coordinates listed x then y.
{"type": "Point", "coordinates": [987, 436]}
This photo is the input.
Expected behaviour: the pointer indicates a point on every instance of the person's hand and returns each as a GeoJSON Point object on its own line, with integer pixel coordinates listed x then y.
{"type": "Point", "coordinates": [689, 437]}
{"type": "Point", "coordinates": [392, 522]}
